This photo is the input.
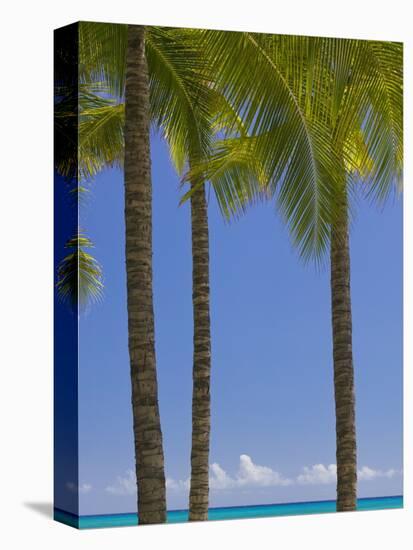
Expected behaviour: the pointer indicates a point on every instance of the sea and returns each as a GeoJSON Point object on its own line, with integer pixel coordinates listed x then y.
{"type": "Point", "coordinates": [235, 512]}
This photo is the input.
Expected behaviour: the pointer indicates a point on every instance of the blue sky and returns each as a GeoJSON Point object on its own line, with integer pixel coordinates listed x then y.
{"type": "Point", "coordinates": [273, 432]}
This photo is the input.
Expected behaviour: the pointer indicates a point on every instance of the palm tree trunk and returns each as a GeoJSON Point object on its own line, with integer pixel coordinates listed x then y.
{"type": "Point", "coordinates": [201, 401]}
{"type": "Point", "coordinates": [138, 215]}
{"type": "Point", "coordinates": [346, 451]}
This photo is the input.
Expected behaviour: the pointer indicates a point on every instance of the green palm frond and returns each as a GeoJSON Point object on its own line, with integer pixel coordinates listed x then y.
{"type": "Point", "coordinates": [355, 88]}
{"type": "Point", "coordinates": [293, 154]}
{"type": "Point", "coordinates": [383, 124]}
{"type": "Point", "coordinates": [79, 275]}
{"type": "Point", "coordinates": [180, 94]}
{"type": "Point", "coordinates": [303, 116]}
{"type": "Point", "coordinates": [80, 193]}
{"type": "Point", "coordinates": [65, 133]}
{"type": "Point", "coordinates": [102, 58]}
{"type": "Point", "coordinates": [98, 139]}
{"type": "Point", "coordinates": [235, 173]}
{"type": "Point", "coordinates": [226, 121]}
{"type": "Point", "coordinates": [101, 141]}
{"type": "Point", "coordinates": [320, 113]}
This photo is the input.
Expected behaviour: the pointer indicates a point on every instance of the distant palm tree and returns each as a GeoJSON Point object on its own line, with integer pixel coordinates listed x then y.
{"type": "Point", "coordinates": [322, 118]}
{"type": "Point", "coordinates": [79, 276]}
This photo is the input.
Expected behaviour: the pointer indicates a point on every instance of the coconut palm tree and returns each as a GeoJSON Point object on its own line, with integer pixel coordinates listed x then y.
{"type": "Point", "coordinates": [138, 219]}
{"type": "Point", "coordinates": [79, 278]}
{"type": "Point", "coordinates": [169, 73]}
{"type": "Point", "coordinates": [112, 63]}
{"type": "Point", "coordinates": [79, 275]}
{"type": "Point", "coordinates": [345, 134]}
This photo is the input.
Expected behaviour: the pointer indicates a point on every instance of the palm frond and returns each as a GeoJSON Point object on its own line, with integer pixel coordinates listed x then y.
{"type": "Point", "coordinates": [180, 95]}
{"type": "Point", "coordinates": [102, 58]}
{"type": "Point", "coordinates": [295, 154]}
{"type": "Point", "coordinates": [79, 275]}
{"type": "Point", "coordinates": [320, 113]}
{"type": "Point", "coordinates": [65, 133]}
{"type": "Point", "coordinates": [101, 141]}
{"type": "Point", "coordinates": [295, 118]}
{"type": "Point", "coordinates": [382, 126]}
{"type": "Point", "coordinates": [235, 173]}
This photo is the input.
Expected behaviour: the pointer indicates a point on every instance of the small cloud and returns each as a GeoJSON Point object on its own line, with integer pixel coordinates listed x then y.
{"type": "Point", "coordinates": [124, 485]}
{"type": "Point", "coordinates": [82, 489]}
{"type": "Point", "coordinates": [177, 485]}
{"type": "Point", "coordinates": [249, 475]}
{"type": "Point", "coordinates": [366, 473]}
{"type": "Point", "coordinates": [171, 483]}
{"type": "Point", "coordinates": [219, 479]}
{"type": "Point", "coordinates": [318, 474]}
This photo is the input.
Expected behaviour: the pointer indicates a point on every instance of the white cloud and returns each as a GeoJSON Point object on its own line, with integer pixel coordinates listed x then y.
{"type": "Point", "coordinates": [124, 485]}
{"type": "Point", "coordinates": [83, 488]}
{"type": "Point", "coordinates": [179, 484]}
{"type": "Point", "coordinates": [366, 473]}
{"type": "Point", "coordinates": [171, 483]}
{"type": "Point", "coordinates": [320, 474]}
{"type": "Point", "coordinates": [249, 475]}
{"type": "Point", "coordinates": [218, 478]}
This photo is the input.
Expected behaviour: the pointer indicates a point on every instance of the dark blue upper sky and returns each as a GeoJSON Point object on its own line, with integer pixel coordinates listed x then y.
{"type": "Point", "coordinates": [272, 382]}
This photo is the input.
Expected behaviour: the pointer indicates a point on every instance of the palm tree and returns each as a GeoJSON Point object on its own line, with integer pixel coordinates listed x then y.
{"type": "Point", "coordinates": [169, 73]}
{"type": "Point", "coordinates": [345, 132]}
{"type": "Point", "coordinates": [201, 400]}
{"type": "Point", "coordinates": [79, 276]}
{"type": "Point", "coordinates": [138, 218]}
{"type": "Point", "coordinates": [112, 63]}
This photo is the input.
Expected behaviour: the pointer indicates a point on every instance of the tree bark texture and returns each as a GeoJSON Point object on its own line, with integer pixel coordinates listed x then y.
{"type": "Point", "coordinates": [201, 400]}
{"type": "Point", "coordinates": [346, 451]}
{"type": "Point", "coordinates": [138, 216]}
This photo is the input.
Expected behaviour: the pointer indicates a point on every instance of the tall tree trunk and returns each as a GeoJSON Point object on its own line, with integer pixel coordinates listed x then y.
{"type": "Point", "coordinates": [201, 401]}
{"type": "Point", "coordinates": [346, 451]}
{"type": "Point", "coordinates": [138, 215]}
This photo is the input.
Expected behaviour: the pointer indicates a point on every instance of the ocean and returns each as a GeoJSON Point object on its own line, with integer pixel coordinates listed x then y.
{"type": "Point", "coordinates": [236, 512]}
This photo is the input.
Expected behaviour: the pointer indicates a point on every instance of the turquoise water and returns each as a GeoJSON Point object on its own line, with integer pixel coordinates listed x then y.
{"type": "Point", "coordinates": [236, 512]}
